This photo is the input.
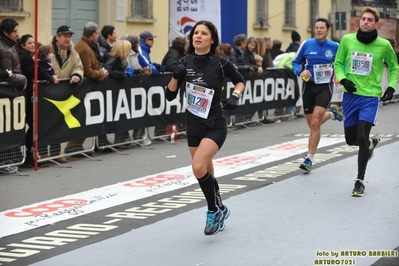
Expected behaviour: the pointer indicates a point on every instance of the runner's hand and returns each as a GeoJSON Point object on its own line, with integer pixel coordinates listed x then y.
{"type": "Point", "coordinates": [348, 85]}
{"type": "Point", "coordinates": [179, 72]}
{"type": "Point", "coordinates": [388, 94]}
{"type": "Point", "coordinates": [231, 103]}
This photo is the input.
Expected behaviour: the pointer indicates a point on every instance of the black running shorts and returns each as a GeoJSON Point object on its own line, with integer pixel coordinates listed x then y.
{"type": "Point", "coordinates": [316, 95]}
{"type": "Point", "coordinates": [215, 130]}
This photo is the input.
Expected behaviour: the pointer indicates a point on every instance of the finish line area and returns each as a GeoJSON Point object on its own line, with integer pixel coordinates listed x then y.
{"type": "Point", "coordinates": [279, 215]}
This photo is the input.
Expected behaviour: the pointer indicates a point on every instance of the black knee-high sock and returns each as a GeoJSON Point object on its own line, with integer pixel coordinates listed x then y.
{"type": "Point", "coordinates": [218, 198]}
{"type": "Point", "coordinates": [364, 148]}
{"type": "Point", "coordinates": [207, 187]}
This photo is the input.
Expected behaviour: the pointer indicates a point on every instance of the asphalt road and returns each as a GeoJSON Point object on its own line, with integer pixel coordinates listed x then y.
{"type": "Point", "coordinates": [143, 207]}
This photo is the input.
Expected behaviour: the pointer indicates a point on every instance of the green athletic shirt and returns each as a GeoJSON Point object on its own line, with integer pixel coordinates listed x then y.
{"type": "Point", "coordinates": [381, 50]}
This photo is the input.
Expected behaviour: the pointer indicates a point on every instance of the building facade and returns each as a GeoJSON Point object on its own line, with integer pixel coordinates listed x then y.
{"type": "Point", "coordinates": [256, 18]}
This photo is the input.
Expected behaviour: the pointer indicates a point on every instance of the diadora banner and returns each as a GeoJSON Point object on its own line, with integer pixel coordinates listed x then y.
{"type": "Point", "coordinates": [92, 108]}
{"type": "Point", "coordinates": [12, 117]}
{"type": "Point", "coordinates": [184, 14]}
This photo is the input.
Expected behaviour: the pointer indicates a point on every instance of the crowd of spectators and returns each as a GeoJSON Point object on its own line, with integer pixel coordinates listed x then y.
{"type": "Point", "coordinates": [98, 55]}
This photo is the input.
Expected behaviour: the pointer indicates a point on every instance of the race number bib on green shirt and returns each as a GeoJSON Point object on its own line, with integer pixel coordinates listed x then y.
{"type": "Point", "coordinates": [361, 63]}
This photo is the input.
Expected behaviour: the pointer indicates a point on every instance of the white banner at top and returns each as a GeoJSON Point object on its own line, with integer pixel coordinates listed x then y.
{"type": "Point", "coordinates": [184, 14]}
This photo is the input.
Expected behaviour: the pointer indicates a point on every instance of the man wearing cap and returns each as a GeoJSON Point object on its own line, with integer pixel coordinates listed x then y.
{"type": "Point", "coordinates": [66, 60]}
{"type": "Point", "coordinates": [146, 43]}
{"type": "Point", "coordinates": [67, 64]}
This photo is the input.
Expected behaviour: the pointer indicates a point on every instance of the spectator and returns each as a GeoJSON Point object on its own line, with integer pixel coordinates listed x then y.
{"type": "Point", "coordinates": [140, 65]}
{"type": "Point", "coordinates": [175, 52]}
{"type": "Point", "coordinates": [237, 56]}
{"type": "Point", "coordinates": [267, 57]}
{"type": "Point", "coordinates": [9, 59]}
{"type": "Point", "coordinates": [25, 47]}
{"type": "Point", "coordinates": [135, 59]}
{"type": "Point", "coordinates": [275, 51]}
{"type": "Point", "coordinates": [89, 52]}
{"type": "Point", "coordinates": [146, 43]}
{"type": "Point", "coordinates": [66, 64]}
{"type": "Point", "coordinates": [66, 61]}
{"type": "Point", "coordinates": [296, 42]}
{"type": "Point", "coordinates": [117, 64]}
{"type": "Point", "coordinates": [258, 59]}
{"type": "Point", "coordinates": [249, 53]}
{"type": "Point", "coordinates": [276, 48]}
{"type": "Point", "coordinates": [106, 41]}
{"type": "Point", "coordinates": [224, 50]}
{"type": "Point", "coordinates": [46, 70]}
{"type": "Point", "coordinates": [118, 68]}
{"type": "Point", "coordinates": [260, 48]}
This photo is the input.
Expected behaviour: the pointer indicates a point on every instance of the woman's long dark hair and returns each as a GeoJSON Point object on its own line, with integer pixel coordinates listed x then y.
{"type": "Point", "coordinates": [21, 41]}
{"type": "Point", "coordinates": [214, 33]}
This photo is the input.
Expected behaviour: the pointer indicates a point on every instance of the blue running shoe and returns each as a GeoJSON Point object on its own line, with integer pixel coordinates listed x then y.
{"type": "Point", "coordinates": [226, 214]}
{"type": "Point", "coordinates": [358, 190]}
{"type": "Point", "coordinates": [213, 220]}
{"type": "Point", "coordinates": [375, 142]}
{"type": "Point", "coordinates": [306, 165]}
{"type": "Point", "coordinates": [338, 115]}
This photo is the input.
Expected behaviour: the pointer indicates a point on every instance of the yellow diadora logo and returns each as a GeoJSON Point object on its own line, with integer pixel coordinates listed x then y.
{"type": "Point", "coordinates": [65, 108]}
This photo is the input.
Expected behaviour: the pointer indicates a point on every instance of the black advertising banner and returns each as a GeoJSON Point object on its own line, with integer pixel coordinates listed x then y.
{"type": "Point", "coordinates": [12, 117]}
{"type": "Point", "coordinates": [93, 108]}
{"type": "Point", "coordinates": [276, 88]}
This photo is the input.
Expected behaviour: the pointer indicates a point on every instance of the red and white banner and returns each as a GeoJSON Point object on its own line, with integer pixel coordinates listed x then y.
{"type": "Point", "coordinates": [184, 14]}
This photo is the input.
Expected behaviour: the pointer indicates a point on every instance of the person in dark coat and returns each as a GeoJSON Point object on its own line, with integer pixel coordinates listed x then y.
{"type": "Point", "coordinates": [175, 52]}
{"type": "Point", "coordinates": [296, 42]}
{"type": "Point", "coordinates": [276, 49]}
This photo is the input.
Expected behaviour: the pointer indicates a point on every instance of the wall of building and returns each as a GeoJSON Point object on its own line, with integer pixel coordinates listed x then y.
{"type": "Point", "coordinates": [276, 29]}
{"type": "Point", "coordinates": [117, 13]}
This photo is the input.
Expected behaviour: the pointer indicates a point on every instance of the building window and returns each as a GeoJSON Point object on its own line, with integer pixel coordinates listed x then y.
{"type": "Point", "coordinates": [14, 5]}
{"type": "Point", "coordinates": [289, 13]}
{"type": "Point", "coordinates": [142, 9]}
{"type": "Point", "coordinates": [262, 13]}
{"type": "Point", "coordinates": [314, 12]}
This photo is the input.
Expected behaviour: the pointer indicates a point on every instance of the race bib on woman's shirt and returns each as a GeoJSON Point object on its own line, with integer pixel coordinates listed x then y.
{"type": "Point", "coordinates": [361, 63]}
{"type": "Point", "coordinates": [199, 100]}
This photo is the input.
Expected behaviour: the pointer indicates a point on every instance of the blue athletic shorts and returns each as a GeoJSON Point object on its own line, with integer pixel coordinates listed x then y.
{"type": "Point", "coordinates": [359, 108]}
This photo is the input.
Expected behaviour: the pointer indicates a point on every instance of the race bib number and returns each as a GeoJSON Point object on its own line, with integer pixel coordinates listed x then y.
{"type": "Point", "coordinates": [323, 73]}
{"type": "Point", "coordinates": [361, 63]}
{"type": "Point", "coordinates": [199, 100]}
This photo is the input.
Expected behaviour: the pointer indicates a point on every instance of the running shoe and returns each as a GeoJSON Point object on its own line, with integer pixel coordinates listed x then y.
{"type": "Point", "coordinates": [338, 115]}
{"type": "Point", "coordinates": [358, 191]}
{"type": "Point", "coordinates": [375, 141]}
{"type": "Point", "coordinates": [226, 214]}
{"type": "Point", "coordinates": [213, 222]}
{"type": "Point", "coordinates": [306, 165]}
